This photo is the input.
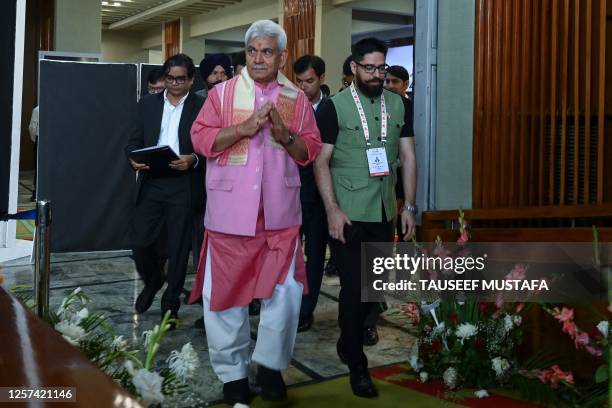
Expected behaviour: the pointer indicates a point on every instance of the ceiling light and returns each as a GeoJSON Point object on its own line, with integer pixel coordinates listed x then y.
{"type": "Point", "coordinates": [105, 3]}
{"type": "Point", "coordinates": [116, 4]}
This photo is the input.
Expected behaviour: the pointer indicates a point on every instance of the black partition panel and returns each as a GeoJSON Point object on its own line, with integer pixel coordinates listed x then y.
{"type": "Point", "coordinates": [86, 111]}
{"type": "Point", "coordinates": [198, 83]}
{"type": "Point", "coordinates": [7, 71]}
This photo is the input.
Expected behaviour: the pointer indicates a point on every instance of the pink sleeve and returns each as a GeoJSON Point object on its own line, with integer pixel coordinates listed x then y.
{"type": "Point", "coordinates": [207, 125]}
{"type": "Point", "coordinates": [309, 131]}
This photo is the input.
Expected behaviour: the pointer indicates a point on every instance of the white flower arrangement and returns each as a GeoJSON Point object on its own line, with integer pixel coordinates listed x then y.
{"type": "Point", "coordinates": [423, 376]}
{"type": "Point", "coordinates": [185, 363]}
{"type": "Point", "coordinates": [465, 331]}
{"type": "Point", "coordinates": [481, 394]}
{"type": "Point", "coordinates": [438, 330]}
{"type": "Point", "coordinates": [604, 328]}
{"type": "Point", "coordinates": [95, 337]}
{"type": "Point", "coordinates": [508, 323]}
{"type": "Point", "coordinates": [500, 366]}
{"type": "Point", "coordinates": [119, 344]}
{"type": "Point", "coordinates": [148, 386]}
{"type": "Point", "coordinates": [70, 331]}
{"type": "Point", "coordinates": [450, 377]}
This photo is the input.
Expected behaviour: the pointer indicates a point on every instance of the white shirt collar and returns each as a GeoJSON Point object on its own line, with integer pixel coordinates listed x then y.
{"type": "Point", "coordinates": [180, 101]}
{"type": "Point", "coordinates": [316, 104]}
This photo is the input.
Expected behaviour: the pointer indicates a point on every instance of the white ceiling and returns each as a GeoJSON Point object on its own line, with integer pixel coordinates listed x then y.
{"type": "Point", "coordinates": [143, 14]}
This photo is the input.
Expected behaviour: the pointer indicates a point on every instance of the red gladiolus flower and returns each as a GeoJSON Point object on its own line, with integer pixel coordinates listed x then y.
{"type": "Point", "coordinates": [582, 339]}
{"type": "Point", "coordinates": [594, 351]}
{"type": "Point", "coordinates": [566, 315]}
{"type": "Point", "coordinates": [570, 328]}
{"type": "Point", "coordinates": [595, 333]}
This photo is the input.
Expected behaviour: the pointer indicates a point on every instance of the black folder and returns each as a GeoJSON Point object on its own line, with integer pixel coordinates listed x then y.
{"type": "Point", "coordinates": [156, 157]}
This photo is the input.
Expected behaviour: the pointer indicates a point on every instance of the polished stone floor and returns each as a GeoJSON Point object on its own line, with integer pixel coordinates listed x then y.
{"type": "Point", "coordinates": [111, 281]}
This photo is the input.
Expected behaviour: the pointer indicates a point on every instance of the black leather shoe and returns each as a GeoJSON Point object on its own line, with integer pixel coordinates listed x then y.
{"type": "Point", "coordinates": [305, 323]}
{"type": "Point", "coordinates": [145, 299]}
{"type": "Point", "coordinates": [273, 387]}
{"type": "Point", "coordinates": [340, 351]}
{"type": "Point", "coordinates": [330, 269]}
{"type": "Point", "coordinates": [237, 392]}
{"type": "Point", "coordinates": [362, 385]}
{"type": "Point", "coordinates": [370, 336]}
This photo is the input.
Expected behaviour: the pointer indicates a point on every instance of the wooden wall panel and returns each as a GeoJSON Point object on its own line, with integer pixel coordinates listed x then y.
{"type": "Point", "coordinates": [607, 187]}
{"type": "Point", "coordinates": [38, 37]}
{"type": "Point", "coordinates": [172, 38]}
{"type": "Point", "coordinates": [540, 121]}
{"type": "Point", "coordinates": [299, 24]}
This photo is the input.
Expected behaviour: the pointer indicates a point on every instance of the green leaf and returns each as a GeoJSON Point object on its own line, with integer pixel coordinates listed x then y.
{"type": "Point", "coordinates": [601, 374]}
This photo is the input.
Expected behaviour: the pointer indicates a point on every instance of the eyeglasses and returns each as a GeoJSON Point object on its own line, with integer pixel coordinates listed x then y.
{"type": "Point", "coordinates": [179, 79]}
{"type": "Point", "coordinates": [370, 68]}
{"type": "Point", "coordinates": [267, 52]}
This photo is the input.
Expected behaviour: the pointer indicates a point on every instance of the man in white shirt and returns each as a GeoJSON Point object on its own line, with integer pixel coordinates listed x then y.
{"type": "Point", "coordinates": [173, 197]}
{"type": "Point", "coordinates": [310, 75]}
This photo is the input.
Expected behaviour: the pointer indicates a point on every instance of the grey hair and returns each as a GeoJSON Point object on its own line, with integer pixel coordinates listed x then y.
{"type": "Point", "coordinates": [266, 28]}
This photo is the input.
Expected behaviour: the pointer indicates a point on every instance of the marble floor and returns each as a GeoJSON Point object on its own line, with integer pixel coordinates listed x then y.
{"type": "Point", "coordinates": [111, 281]}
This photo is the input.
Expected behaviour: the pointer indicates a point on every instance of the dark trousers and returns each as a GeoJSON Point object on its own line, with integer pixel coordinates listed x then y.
{"type": "Point", "coordinates": [163, 202]}
{"type": "Point", "coordinates": [352, 311]}
{"type": "Point", "coordinates": [314, 231]}
{"type": "Point", "coordinates": [371, 319]}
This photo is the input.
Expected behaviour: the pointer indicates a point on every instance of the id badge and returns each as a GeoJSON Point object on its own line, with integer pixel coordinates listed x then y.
{"type": "Point", "coordinates": [377, 162]}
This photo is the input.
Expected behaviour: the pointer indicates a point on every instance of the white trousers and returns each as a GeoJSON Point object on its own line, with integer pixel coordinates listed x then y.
{"type": "Point", "coordinates": [228, 331]}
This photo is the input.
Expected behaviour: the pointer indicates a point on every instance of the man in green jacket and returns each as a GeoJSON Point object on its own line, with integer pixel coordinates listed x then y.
{"type": "Point", "coordinates": [366, 134]}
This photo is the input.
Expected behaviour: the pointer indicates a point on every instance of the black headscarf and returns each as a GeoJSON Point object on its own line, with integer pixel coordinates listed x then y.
{"type": "Point", "coordinates": [209, 63]}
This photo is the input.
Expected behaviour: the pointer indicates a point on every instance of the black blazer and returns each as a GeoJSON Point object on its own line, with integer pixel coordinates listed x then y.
{"type": "Point", "coordinates": [145, 133]}
{"type": "Point", "coordinates": [309, 192]}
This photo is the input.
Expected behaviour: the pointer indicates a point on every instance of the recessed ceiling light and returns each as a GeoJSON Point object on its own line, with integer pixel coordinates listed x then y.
{"type": "Point", "coordinates": [105, 3]}
{"type": "Point", "coordinates": [116, 4]}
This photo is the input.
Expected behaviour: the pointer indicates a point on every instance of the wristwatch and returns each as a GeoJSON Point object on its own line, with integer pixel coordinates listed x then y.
{"type": "Point", "coordinates": [291, 140]}
{"type": "Point", "coordinates": [411, 208]}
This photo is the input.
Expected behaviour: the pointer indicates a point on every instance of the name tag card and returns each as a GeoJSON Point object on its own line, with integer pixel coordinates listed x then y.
{"type": "Point", "coordinates": [377, 162]}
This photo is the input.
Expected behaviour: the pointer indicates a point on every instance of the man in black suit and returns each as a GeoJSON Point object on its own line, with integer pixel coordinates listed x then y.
{"type": "Point", "coordinates": [174, 197]}
{"type": "Point", "coordinates": [310, 75]}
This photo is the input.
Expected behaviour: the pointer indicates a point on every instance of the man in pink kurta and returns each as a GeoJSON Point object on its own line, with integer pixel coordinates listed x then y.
{"type": "Point", "coordinates": [254, 130]}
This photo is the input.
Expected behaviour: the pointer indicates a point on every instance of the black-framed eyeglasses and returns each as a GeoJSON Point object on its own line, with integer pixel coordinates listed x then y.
{"type": "Point", "coordinates": [179, 79]}
{"type": "Point", "coordinates": [370, 68]}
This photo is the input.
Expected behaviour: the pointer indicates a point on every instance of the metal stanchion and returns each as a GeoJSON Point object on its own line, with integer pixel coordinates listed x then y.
{"type": "Point", "coordinates": [42, 257]}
